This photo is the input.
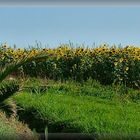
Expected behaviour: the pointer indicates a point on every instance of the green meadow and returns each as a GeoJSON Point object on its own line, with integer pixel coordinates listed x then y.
{"type": "Point", "coordinates": [94, 92]}
{"type": "Point", "coordinates": [101, 111]}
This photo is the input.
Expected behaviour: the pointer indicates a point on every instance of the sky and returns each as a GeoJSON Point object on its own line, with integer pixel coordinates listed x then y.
{"type": "Point", "coordinates": [53, 26]}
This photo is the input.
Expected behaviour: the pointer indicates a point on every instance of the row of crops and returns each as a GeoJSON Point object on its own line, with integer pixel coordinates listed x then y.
{"type": "Point", "coordinates": [105, 64]}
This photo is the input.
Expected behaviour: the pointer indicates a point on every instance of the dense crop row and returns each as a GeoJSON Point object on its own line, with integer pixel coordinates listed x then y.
{"type": "Point", "coordinates": [106, 64]}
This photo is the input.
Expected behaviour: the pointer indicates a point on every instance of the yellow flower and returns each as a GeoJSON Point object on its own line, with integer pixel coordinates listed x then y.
{"type": "Point", "coordinates": [121, 60]}
{"type": "Point", "coordinates": [127, 68]}
{"type": "Point", "coordinates": [115, 63]}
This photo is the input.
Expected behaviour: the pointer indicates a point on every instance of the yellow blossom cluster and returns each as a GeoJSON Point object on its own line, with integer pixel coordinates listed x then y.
{"type": "Point", "coordinates": [101, 63]}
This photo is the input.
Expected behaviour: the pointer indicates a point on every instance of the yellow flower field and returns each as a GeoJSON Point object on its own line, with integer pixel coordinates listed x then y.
{"type": "Point", "coordinates": [104, 63]}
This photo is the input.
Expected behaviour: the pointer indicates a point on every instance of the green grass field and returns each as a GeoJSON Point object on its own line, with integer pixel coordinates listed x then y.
{"type": "Point", "coordinates": [82, 108]}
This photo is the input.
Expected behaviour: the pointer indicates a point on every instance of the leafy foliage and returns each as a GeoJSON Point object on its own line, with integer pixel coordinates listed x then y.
{"type": "Point", "coordinates": [106, 64]}
{"type": "Point", "coordinates": [7, 89]}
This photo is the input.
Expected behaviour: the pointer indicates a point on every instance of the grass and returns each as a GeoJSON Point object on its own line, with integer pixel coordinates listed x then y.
{"type": "Point", "coordinates": [11, 128]}
{"type": "Point", "coordinates": [88, 108]}
{"type": "Point", "coordinates": [6, 130]}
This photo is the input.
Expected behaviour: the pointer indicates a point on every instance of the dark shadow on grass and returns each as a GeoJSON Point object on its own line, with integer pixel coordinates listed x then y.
{"type": "Point", "coordinates": [34, 122]}
{"type": "Point", "coordinates": [29, 117]}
